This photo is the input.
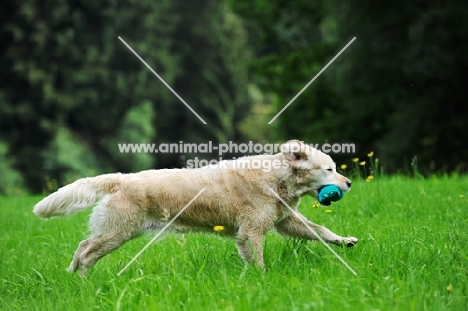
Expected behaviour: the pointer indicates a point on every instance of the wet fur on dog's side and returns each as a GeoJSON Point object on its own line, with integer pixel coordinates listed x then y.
{"type": "Point", "coordinates": [125, 205]}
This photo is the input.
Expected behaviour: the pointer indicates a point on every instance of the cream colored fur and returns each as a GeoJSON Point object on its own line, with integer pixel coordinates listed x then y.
{"type": "Point", "coordinates": [125, 205]}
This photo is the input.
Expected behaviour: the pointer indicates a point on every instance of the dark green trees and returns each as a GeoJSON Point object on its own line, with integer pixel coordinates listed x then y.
{"type": "Point", "coordinates": [71, 91]}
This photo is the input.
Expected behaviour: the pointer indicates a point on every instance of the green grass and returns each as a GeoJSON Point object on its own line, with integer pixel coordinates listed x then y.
{"type": "Point", "coordinates": [412, 255]}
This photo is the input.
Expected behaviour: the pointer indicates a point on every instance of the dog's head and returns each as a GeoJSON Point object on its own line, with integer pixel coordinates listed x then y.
{"type": "Point", "coordinates": [313, 168]}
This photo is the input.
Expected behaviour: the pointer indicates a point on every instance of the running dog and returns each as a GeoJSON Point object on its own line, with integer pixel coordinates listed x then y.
{"type": "Point", "coordinates": [238, 196]}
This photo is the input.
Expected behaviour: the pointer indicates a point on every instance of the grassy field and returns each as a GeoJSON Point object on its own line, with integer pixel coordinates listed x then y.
{"type": "Point", "coordinates": [412, 255]}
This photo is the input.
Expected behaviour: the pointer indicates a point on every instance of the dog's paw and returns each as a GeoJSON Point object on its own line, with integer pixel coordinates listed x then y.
{"type": "Point", "coordinates": [350, 241]}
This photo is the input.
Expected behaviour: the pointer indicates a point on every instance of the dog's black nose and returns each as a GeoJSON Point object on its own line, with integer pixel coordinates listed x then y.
{"type": "Point", "coordinates": [348, 183]}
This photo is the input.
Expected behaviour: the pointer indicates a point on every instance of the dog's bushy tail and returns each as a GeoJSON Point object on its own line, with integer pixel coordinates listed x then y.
{"type": "Point", "coordinates": [77, 196]}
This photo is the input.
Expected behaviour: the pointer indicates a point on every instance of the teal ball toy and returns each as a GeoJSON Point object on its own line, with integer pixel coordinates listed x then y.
{"type": "Point", "coordinates": [328, 194]}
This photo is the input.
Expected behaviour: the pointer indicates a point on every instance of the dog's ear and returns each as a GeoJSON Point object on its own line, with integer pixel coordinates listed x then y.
{"type": "Point", "coordinates": [294, 151]}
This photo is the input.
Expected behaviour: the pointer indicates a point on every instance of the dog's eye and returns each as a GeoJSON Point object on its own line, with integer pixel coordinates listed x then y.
{"type": "Point", "coordinates": [329, 169]}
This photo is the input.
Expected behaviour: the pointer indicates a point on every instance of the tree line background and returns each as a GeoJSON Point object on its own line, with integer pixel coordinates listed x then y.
{"type": "Point", "coordinates": [71, 91]}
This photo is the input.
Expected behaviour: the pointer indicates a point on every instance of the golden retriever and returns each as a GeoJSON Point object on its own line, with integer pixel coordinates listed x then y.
{"type": "Point", "coordinates": [237, 196]}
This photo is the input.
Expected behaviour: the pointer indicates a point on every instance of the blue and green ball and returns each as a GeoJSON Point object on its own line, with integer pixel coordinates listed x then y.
{"type": "Point", "coordinates": [328, 194]}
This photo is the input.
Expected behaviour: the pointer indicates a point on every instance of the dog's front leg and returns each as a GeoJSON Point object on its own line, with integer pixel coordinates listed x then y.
{"type": "Point", "coordinates": [292, 226]}
{"type": "Point", "coordinates": [245, 248]}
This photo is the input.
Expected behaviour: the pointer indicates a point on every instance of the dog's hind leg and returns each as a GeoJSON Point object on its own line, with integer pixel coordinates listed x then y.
{"type": "Point", "coordinates": [76, 258]}
{"type": "Point", "coordinates": [99, 247]}
{"type": "Point", "coordinates": [113, 222]}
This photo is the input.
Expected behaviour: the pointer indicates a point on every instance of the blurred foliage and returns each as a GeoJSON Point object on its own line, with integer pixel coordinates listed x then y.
{"type": "Point", "coordinates": [70, 158]}
{"type": "Point", "coordinates": [398, 89]}
{"type": "Point", "coordinates": [402, 87]}
{"type": "Point", "coordinates": [136, 127]}
{"type": "Point", "coordinates": [71, 90]}
{"type": "Point", "coordinates": [10, 179]}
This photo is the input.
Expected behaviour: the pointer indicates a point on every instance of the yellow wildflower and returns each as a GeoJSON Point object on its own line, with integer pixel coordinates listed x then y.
{"type": "Point", "coordinates": [355, 160]}
{"type": "Point", "coordinates": [328, 211]}
{"type": "Point", "coordinates": [218, 228]}
{"type": "Point", "coordinates": [316, 204]}
{"type": "Point", "coordinates": [370, 154]}
{"type": "Point", "coordinates": [343, 166]}
{"type": "Point", "coordinates": [362, 163]}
